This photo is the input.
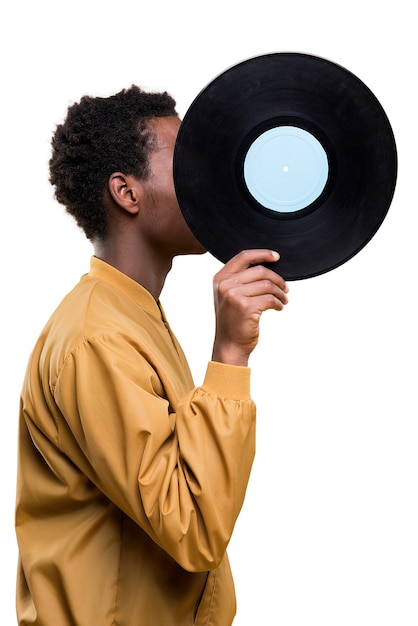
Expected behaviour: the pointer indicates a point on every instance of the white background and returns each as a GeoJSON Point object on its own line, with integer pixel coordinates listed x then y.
{"type": "Point", "coordinates": [328, 532]}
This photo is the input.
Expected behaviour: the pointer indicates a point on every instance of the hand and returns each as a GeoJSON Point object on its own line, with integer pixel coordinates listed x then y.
{"type": "Point", "coordinates": [243, 289]}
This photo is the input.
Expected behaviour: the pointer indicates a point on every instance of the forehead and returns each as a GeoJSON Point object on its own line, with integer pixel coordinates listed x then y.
{"type": "Point", "coordinates": [165, 130]}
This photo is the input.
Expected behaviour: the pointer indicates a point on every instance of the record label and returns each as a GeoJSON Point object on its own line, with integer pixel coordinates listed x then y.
{"type": "Point", "coordinates": [286, 168]}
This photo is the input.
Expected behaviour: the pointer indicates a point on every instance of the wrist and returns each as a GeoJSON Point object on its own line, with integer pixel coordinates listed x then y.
{"type": "Point", "coordinates": [230, 355]}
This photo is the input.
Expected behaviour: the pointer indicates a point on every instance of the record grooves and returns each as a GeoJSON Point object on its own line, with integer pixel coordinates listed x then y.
{"type": "Point", "coordinates": [286, 151]}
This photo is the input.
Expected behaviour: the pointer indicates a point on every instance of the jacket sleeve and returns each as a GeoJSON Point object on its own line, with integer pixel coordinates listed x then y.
{"type": "Point", "coordinates": [180, 475]}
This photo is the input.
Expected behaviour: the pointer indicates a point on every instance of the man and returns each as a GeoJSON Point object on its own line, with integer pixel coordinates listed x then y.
{"type": "Point", "coordinates": [130, 478]}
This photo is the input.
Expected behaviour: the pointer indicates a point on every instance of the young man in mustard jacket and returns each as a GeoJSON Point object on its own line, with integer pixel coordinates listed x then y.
{"type": "Point", "coordinates": [130, 478]}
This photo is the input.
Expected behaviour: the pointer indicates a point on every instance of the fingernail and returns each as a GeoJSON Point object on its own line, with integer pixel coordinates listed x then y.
{"type": "Point", "coordinates": [276, 255]}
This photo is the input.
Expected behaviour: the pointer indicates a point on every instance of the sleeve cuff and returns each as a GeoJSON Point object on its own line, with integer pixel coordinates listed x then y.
{"type": "Point", "coordinates": [228, 381]}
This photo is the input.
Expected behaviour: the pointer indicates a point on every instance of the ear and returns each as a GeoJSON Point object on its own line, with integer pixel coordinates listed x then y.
{"type": "Point", "coordinates": [125, 191]}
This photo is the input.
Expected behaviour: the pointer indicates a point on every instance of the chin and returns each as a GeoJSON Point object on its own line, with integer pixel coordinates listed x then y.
{"type": "Point", "coordinates": [195, 252]}
{"type": "Point", "coordinates": [196, 249]}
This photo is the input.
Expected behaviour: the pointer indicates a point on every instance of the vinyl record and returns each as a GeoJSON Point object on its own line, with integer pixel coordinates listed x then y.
{"type": "Point", "coordinates": [286, 151]}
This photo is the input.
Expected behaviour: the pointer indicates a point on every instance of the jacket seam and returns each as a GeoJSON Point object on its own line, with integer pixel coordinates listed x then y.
{"type": "Point", "coordinates": [212, 596]}
{"type": "Point", "coordinates": [115, 605]}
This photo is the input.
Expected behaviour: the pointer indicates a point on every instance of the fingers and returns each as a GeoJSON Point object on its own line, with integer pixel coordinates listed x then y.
{"type": "Point", "coordinates": [266, 295]}
{"type": "Point", "coordinates": [246, 258]}
{"type": "Point", "coordinates": [240, 276]}
{"type": "Point", "coordinates": [265, 289]}
{"type": "Point", "coordinates": [261, 279]}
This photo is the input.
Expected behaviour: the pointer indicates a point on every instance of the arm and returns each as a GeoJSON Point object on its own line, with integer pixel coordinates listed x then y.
{"type": "Point", "coordinates": [179, 472]}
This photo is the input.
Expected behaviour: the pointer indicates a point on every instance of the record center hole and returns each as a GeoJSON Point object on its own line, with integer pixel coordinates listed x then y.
{"type": "Point", "coordinates": [285, 168]}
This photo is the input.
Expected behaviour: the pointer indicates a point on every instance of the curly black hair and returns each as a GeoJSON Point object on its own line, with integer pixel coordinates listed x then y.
{"type": "Point", "coordinates": [98, 137]}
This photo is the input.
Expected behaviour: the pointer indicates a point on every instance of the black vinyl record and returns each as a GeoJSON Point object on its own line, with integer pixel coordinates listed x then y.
{"type": "Point", "coordinates": [290, 152]}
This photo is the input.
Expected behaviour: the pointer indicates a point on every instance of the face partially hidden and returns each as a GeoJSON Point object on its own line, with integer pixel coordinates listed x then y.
{"type": "Point", "coordinates": [166, 226]}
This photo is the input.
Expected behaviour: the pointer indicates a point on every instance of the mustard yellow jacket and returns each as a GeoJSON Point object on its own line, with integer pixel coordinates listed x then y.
{"type": "Point", "coordinates": [130, 479]}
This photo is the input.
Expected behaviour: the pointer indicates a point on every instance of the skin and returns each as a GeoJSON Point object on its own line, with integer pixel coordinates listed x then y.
{"type": "Point", "coordinates": [145, 222]}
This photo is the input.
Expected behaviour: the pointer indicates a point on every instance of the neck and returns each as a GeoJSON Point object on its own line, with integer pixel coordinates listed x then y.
{"type": "Point", "coordinates": [143, 266]}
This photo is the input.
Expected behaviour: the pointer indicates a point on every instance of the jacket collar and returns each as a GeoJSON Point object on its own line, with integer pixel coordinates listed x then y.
{"type": "Point", "coordinates": [101, 270]}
